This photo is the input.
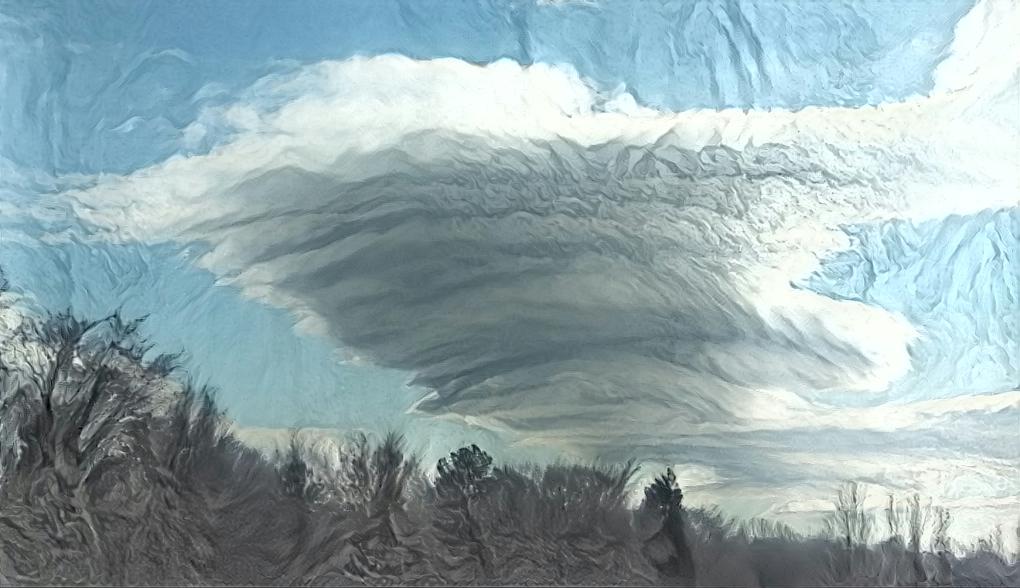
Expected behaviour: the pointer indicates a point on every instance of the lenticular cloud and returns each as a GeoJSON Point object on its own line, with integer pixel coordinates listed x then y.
{"type": "Point", "coordinates": [780, 291]}
{"type": "Point", "coordinates": [545, 256]}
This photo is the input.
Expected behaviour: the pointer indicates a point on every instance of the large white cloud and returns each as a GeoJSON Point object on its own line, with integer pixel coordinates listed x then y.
{"type": "Point", "coordinates": [531, 248]}
{"type": "Point", "coordinates": [568, 266]}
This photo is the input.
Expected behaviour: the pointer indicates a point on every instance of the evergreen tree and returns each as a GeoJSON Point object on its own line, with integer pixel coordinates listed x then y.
{"type": "Point", "coordinates": [665, 497]}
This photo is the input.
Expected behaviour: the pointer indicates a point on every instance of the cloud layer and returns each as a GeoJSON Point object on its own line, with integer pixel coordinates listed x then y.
{"type": "Point", "coordinates": [557, 262]}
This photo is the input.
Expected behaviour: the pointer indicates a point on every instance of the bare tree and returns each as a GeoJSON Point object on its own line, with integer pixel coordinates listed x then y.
{"type": "Point", "coordinates": [918, 519]}
{"type": "Point", "coordinates": [993, 543]}
{"type": "Point", "coordinates": [1016, 532]}
{"type": "Point", "coordinates": [917, 516]}
{"type": "Point", "coordinates": [942, 519]}
{"type": "Point", "coordinates": [849, 522]}
{"type": "Point", "coordinates": [894, 520]}
{"type": "Point", "coordinates": [77, 402]}
{"type": "Point", "coordinates": [940, 542]}
{"type": "Point", "coordinates": [761, 528]}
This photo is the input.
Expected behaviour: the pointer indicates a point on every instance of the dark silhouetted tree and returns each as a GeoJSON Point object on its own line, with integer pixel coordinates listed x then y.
{"type": "Point", "coordinates": [464, 472]}
{"type": "Point", "coordinates": [461, 479]}
{"type": "Point", "coordinates": [665, 497]}
{"type": "Point", "coordinates": [296, 475]}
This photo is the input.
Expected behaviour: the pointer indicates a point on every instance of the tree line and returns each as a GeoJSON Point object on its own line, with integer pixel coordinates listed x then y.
{"type": "Point", "coordinates": [113, 471]}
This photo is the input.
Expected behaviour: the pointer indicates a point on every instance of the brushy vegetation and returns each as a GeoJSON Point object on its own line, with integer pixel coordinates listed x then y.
{"type": "Point", "coordinates": [113, 472]}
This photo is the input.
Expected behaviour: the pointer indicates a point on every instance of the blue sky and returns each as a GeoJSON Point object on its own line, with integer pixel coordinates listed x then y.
{"type": "Point", "coordinates": [108, 86]}
{"type": "Point", "coordinates": [98, 96]}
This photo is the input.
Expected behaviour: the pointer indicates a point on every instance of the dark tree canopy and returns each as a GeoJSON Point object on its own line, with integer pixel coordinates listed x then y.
{"type": "Point", "coordinates": [464, 471]}
{"type": "Point", "coordinates": [664, 493]}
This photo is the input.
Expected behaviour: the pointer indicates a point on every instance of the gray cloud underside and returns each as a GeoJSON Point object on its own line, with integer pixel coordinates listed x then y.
{"type": "Point", "coordinates": [568, 285]}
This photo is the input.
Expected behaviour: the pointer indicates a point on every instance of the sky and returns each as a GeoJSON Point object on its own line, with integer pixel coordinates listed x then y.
{"type": "Point", "coordinates": [772, 244]}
